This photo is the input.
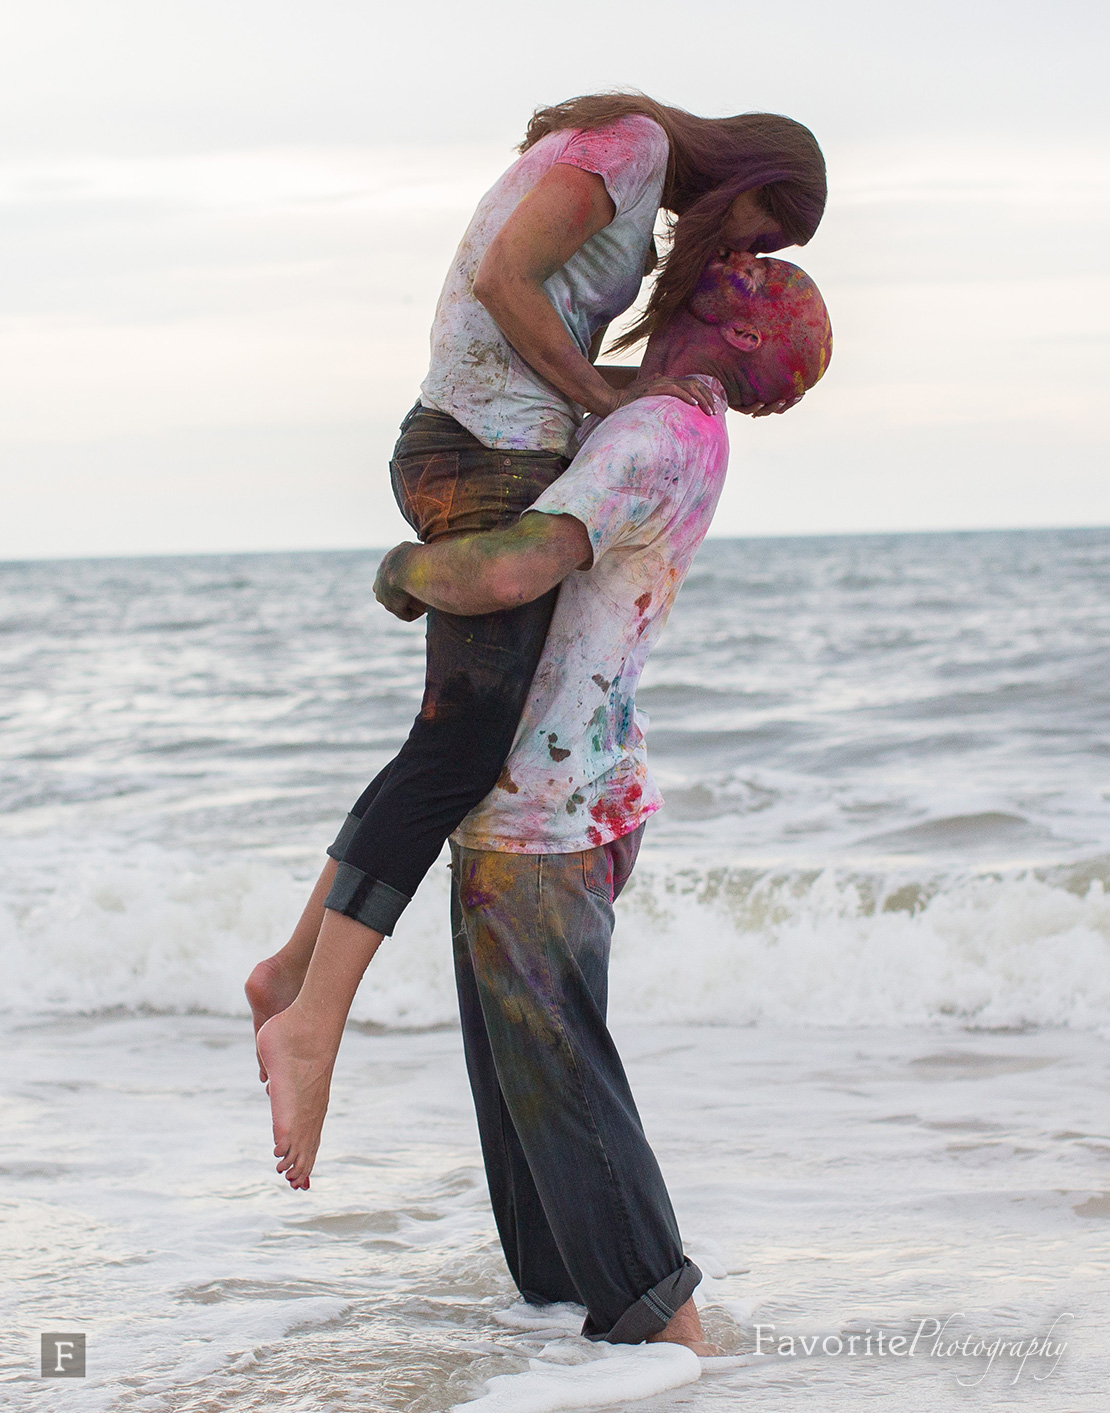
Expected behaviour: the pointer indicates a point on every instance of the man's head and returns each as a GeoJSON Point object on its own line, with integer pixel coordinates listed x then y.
{"type": "Point", "coordinates": [757, 324]}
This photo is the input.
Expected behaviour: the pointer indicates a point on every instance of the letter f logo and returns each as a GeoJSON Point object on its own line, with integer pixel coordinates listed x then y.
{"type": "Point", "coordinates": [63, 1356]}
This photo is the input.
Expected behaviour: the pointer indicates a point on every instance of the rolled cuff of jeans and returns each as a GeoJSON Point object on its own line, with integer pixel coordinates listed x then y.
{"type": "Point", "coordinates": [356, 895]}
{"type": "Point", "coordinates": [654, 1309]}
{"type": "Point", "coordinates": [338, 847]}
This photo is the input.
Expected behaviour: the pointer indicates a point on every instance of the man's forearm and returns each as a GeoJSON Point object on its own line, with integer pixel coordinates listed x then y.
{"type": "Point", "coordinates": [488, 572]}
{"type": "Point", "coordinates": [452, 575]}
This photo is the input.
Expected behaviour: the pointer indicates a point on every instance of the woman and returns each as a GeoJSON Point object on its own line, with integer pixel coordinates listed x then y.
{"type": "Point", "coordinates": [557, 248]}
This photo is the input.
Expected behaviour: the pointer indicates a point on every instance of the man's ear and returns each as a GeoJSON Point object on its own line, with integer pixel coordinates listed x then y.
{"type": "Point", "coordinates": [745, 337]}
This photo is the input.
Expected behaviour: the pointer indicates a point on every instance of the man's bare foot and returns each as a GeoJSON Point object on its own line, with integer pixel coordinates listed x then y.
{"type": "Point", "coordinates": [684, 1327]}
{"type": "Point", "coordinates": [299, 1067]}
{"type": "Point", "coordinates": [272, 986]}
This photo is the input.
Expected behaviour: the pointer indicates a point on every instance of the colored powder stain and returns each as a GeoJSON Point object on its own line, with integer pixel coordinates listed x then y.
{"type": "Point", "coordinates": [601, 682]}
{"type": "Point", "coordinates": [506, 782]}
{"type": "Point", "coordinates": [573, 803]}
{"type": "Point", "coordinates": [623, 720]}
{"type": "Point", "coordinates": [642, 603]}
{"type": "Point", "coordinates": [487, 881]}
{"type": "Point", "coordinates": [474, 894]}
{"type": "Point", "coordinates": [618, 812]}
{"type": "Point", "coordinates": [555, 752]}
{"type": "Point", "coordinates": [598, 724]}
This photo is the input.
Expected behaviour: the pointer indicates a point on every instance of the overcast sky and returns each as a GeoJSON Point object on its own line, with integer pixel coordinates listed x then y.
{"type": "Point", "coordinates": [223, 227]}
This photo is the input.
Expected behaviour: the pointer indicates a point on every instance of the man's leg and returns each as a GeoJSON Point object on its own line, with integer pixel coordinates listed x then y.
{"type": "Point", "coordinates": [538, 929]}
{"type": "Point", "coordinates": [530, 1248]}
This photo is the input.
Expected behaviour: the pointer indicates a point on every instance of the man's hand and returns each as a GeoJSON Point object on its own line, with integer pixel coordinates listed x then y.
{"type": "Point", "coordinates": [387, 589]}
{"type": "Point", "coordinates": [484, 572]}
{"type": "Point", "coordinates": [764, 409]}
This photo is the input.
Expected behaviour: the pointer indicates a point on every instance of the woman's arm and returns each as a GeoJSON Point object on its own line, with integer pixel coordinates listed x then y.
{"type": "Point", "coordinates": [617, 376]}
{"type": "Point", "coordinates": [562, 211]}
{"type": "Point", "coordinates": [485, 572]}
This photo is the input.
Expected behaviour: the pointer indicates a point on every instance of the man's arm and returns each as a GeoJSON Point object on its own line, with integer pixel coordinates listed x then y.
{"type": "Point", "coordinates": [483, 573]}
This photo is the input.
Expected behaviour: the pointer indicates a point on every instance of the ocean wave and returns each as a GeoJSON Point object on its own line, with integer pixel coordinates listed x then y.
{"type": "Point", "coordinates": [730, 944]}
{"type": "Point", "coordinates": [836, 946]}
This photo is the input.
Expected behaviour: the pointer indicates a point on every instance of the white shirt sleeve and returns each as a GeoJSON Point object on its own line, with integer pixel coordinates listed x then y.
{"type": "Point", "coordinates": [627, 155]}
{"type": "Point", "coordinates": [626, 482]}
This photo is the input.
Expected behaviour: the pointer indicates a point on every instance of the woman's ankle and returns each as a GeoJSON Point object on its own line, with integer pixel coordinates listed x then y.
{"type": "Point", "coordinates": [316, 1023]}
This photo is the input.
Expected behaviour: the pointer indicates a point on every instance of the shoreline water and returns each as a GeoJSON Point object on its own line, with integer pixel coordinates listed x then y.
{"type": "Point", "coordinates": [862, 977]}
{"type": "Point", "coordinates": [826, 1180]}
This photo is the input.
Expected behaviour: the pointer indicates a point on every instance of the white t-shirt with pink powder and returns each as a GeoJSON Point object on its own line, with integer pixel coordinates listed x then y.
{"type": "Point", "coordinates": [645, 486]}
{"type": "Point", "coordinates": [475, 374]}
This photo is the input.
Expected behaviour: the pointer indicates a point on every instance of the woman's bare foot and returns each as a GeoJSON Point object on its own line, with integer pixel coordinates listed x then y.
{"type": "Point", "coordinates": [272, 986]}
{"type": "Point", "coordinates": [685, 1328]}
{"type": "Point", "coordinates": [299, 1066]}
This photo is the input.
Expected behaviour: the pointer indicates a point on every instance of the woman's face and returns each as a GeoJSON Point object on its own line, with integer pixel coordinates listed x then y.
{"type": "Point", "coordinates": [746, 222]}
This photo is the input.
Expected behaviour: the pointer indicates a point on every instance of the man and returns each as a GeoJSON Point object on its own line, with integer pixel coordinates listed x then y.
{"type": "Point", "coordinates": [580, 1204]}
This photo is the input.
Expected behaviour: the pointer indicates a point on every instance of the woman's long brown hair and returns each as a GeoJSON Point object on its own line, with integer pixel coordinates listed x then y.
{"type": "Point", "coordinates": [712, 161]}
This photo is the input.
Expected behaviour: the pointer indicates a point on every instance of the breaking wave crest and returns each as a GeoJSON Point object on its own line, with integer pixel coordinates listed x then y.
{"type": "Point", "coordinates": [829, 946]}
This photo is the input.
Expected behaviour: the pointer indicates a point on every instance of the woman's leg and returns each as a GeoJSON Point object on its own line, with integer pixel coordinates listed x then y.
{"type": "Point", "coordinates": [478, 676]}
{"type": "Point", "coordinates": [274, 982]}
{"type": "Point", "coordinates": [479, 672]}
{"type": "Point", "coordinates": [297, 1048]}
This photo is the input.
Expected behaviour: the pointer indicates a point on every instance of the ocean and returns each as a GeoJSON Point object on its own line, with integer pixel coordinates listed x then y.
{"type": "Point", "coordinates": [861, 975]}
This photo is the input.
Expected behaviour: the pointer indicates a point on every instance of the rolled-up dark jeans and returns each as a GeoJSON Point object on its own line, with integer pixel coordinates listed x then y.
{"type": "Point", "coordinates": [580, 1203]}
{"type": "Point", "coordinates": [479, 670]}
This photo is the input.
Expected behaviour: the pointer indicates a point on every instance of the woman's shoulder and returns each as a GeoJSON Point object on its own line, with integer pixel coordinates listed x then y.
{"type": "Point", "coordinates": [631, 153]}
{"type": "Point", "coordinates": [639, 132]}
{"type": "Point", "coordinates": [633, 139]}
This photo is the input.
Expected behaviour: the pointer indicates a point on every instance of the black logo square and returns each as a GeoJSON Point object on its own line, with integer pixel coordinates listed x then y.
{"type": "Point", "coordinates": [63, 1356]}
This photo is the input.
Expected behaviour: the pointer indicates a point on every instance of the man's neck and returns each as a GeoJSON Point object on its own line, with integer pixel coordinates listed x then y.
{"type": "Point", "coordinates": [686, 347]}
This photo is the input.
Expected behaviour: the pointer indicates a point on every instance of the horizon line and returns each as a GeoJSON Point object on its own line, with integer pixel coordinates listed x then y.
{"type": "Point", "coordinates": [116, 555]}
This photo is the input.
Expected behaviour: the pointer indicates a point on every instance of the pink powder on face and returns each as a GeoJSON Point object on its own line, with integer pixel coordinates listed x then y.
{"type": "Point", "coordinates": [740, 291]}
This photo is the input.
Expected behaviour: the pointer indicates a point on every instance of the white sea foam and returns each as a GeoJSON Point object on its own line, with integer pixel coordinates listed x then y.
{"type": "Point", "coordinates": [615, 1374]}
{"type": "Point", "coordinates": [166, 931]}
{"type": "Point", "coordinates": [831, 947]}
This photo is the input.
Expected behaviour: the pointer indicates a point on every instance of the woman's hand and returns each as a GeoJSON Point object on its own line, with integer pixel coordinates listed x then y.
{"type": "Point", "coordinates": [388, 591]}
{"type": "Point", "coordinates": [690, 390]}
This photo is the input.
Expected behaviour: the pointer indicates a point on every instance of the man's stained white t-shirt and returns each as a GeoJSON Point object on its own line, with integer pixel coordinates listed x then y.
{"type": "Point", "coordinates": [645, 486]}
{"type": "Point", "coordinates": [474, 373]}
